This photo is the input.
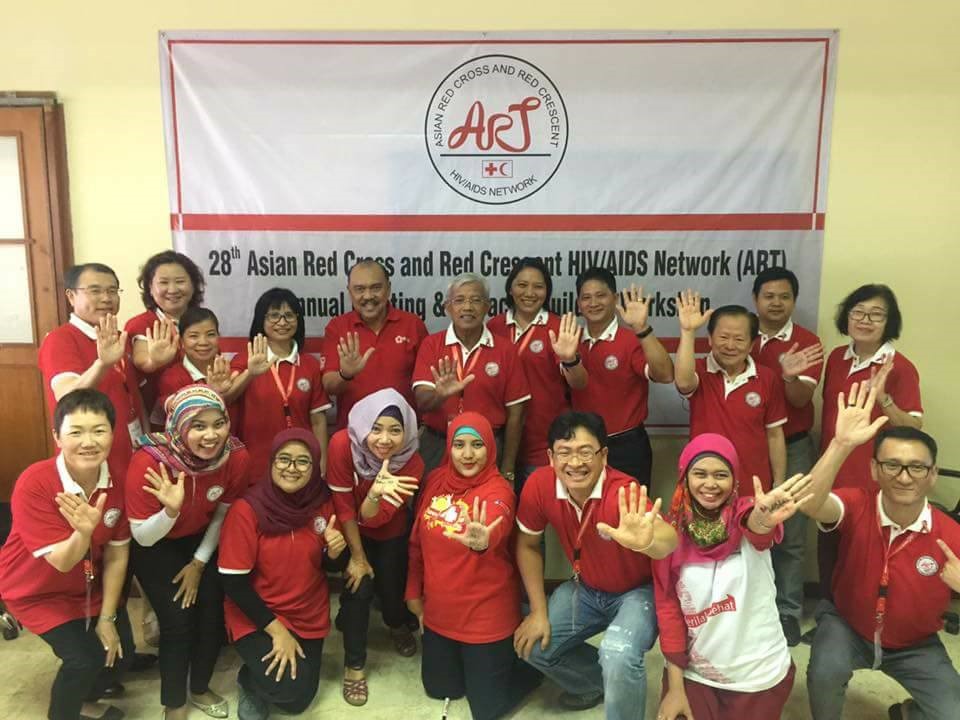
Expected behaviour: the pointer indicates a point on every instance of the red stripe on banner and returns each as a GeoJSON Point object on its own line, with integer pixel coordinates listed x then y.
{"type": "Point", "coordinates": [497, 223]}
{"type": "Point", "coordinates": [612, 41]}
{"type": "Point", "coordinates": [176, 138]}
{"type": "Point", "coordinates": [823, 101]}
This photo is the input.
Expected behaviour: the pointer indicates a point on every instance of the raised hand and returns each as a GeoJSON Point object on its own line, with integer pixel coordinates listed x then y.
{"type": "Point", "coordinates": [878, 378]}
{"type": "Point", "coordinates": [351, 361]}
{"type": "Point", "coordinates": [688, 311]}
{"type": "Point", "coordinates": [853, 426]}
{"type": "Point", "coordinates": [169, 493]}
{"type": "Point", "coordinates": [793, 362]}
{"type": "Point", "coordinates": [189, 580]}
{"type": "Point", "coordinates": [445, 380]}
{"type": "Point", "coordinates": [566, 342]}
{"type": "Point", "coordinates": [358, 567]}
{"type": "Point", "coordinates": [81, 515]}
{"type": "Point", "coordinates": [951, 571]}
{"type": "Point", "coordinates": [111, 344]}
{"type": "Point", "coordinates": [163, 340]}
{"type": "Point", "coordinates": [257, 362]}
{"type": "Point", "coordinates": [334, 539]}
{"type": "Point", "coordinates": [284, 652]}
{"type": "Point", "coordinates": [219, 375]}
{"type": "Point", "coordinates": [634, 308]}
{"type": "Point", "coordinates": [781, 503]}
{"type": "Point", "coordinates": [637, 524]}
{"type": "Point", "coordinates": [476, 533]}
{"type": "Point", "coordinates": [393, 487]}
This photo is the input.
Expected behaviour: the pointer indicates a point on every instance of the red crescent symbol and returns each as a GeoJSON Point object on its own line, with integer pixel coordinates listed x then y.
{"type": "Point", "coordinates": [502, 165]}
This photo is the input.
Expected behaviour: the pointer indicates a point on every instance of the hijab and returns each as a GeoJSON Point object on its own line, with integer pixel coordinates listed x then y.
{"type": "Point", "coordinates": [446, 479]}
{"type": "Point", "coordinates": [170, 446]}
{"type": "Point", "coordinates": [383, 403]}
{"type": "Point", "coordinates": [280, 512]}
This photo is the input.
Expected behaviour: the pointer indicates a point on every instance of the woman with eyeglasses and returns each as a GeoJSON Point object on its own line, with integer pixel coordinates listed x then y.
{"type": "Point", "coordinates": [282, 386]}
{"type": "Point", "coordinates": [276, 543]}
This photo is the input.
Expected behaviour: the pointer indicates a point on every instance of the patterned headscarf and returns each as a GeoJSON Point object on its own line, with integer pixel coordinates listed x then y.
{"type": "Point", "coordinates": [686, 515]}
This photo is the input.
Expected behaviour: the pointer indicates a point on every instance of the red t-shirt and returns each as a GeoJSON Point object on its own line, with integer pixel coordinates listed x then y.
{"type": "Point", "coordinates": [498, 378]}
{"type": "Point", "coordinates": [70, 349]}
{"type": "Point", "coordinates": [767, 354]}
{"type": "Point", "coordinates": [37, 594]}
{"type": "Point", "coordinates": [843, 370]}
{"type": "Point", "coordinates": [202, 494]}
{"type": "Point", "coordinates": [548, 388]}
{"type": "Point", "coordinates": [605, 565]}
{"type": "Point", "coordinates": [467, 596]}
{"type": "Point", "coordinates": [349, 491]}
{"type": "Point", "coordinates": [136, 329]}
{"type": "Point", "coordinates": [741, 411]}
{"type": "Point", "coordinates": [176, 377]}
{"type": "Point", "coordinates": [287, 572]}
{"type": "Point", "coordinates": [916, 595]}
{"type": "Point", "coordinates": [390, 366]}
{"type": "Point", "coordinates": [617, 384]}
{"type": "Point", "coordinates": [262, 406]}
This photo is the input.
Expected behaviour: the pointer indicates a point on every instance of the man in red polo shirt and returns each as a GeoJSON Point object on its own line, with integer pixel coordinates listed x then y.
{"type": "Point", "coordinates": [609, 533]}
{"type": "Point", "coordinates": [89, 352]}
{"type": "Point", "coordinates": [372, 347]}
{"type": "Point", "coordinates": [895, 562]}
{"type": "Point", "coordinates": [466, 368]}
{"type": "Point", "coordinates": [796, 355]}
{"type": "Point", "coordinates": [729, 393]}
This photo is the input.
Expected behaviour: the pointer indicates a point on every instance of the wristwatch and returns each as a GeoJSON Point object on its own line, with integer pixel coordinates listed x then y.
{"type": "Point", "coordinates": [643, 333]}
{"type": "Point", "coordinates": [109, 618]}
{"type": "Point", "coordinates": [509, 476]}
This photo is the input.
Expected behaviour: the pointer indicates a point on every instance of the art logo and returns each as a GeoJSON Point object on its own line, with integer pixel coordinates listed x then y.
{"type": "Point", "coordinates": [496, 129]}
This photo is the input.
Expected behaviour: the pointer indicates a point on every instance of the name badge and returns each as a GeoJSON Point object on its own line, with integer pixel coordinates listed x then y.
{"type": "Point", "coordinates": [135, 430]}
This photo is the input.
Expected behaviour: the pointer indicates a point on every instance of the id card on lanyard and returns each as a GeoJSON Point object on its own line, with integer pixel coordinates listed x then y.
{"type": "Point", "coordinates": [285, 392]}
{"type": "Point", "coordinates": [577, 545]}
{"type": "Point", "coordinates": [881, 606]}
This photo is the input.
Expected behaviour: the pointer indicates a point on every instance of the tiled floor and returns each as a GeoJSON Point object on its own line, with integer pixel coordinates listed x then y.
{"type": "Point", "coordinates": [28, 666]}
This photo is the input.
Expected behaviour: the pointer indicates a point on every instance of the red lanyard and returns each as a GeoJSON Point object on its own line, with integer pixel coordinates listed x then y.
{"type": "Point", "coordinates": [463, 372]}
{"type": "Point", "coordinates": [284, 393]}
{"type": "Point", "coordinates": [578, 543]}
{"type": "Point", "coordinates": [121, 369]}
{"type": "Point", "coordinates": [527, 337]}
{"type": "Point", "coordinates": [881, 607]}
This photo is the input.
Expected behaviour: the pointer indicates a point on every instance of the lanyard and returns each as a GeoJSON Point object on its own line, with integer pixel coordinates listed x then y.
{"type": "Point", "coordinates": [463, 372]}
{"type": "Point", "coordinates": [527, 337]}
{"type": "Point", "coordinates": [881, 607]}
{"type": "Point", "coordinates": [577, 544]}
{"type": "Point", "coordinates": [121, 369]}
{"type": "Point", "coordinates": [284, 392]}
{"type": "Point", "coordinates": [89, 575]}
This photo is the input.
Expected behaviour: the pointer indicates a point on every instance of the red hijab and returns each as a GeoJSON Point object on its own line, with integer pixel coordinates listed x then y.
{"type": "Point", "coordinates": [446, 479]}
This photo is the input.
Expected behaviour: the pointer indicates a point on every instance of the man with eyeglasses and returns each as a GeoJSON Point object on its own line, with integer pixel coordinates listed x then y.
{"type": "Point", "coordinates": [609, 533]}
{"type": "Point", "coordinates": [895, 568]}
{"type": "Point", "coordinates": [90, 352]}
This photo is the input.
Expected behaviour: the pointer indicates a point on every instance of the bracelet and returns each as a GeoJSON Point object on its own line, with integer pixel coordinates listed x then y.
{"type": "Point", "coordinates": [573, 363]}
{"type": "Point", "coordinates": [788, 380]}
{"type": "Point", "coordinates": [644, 333]}
{"type": "Point", "coordinates": [374, 500]}
{"type": "Point", "coordinates": [109, 618]}
{"type": "Point", "coordinates": [344, 377]}
{"type": "Point", "coordinates": [886, 402]}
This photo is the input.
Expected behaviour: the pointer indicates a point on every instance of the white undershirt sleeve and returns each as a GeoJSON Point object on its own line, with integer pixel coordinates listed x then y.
{"type": "Point", "coordinates": [148, 532]}
{"type": "Point", "coordinates": [211, 538]}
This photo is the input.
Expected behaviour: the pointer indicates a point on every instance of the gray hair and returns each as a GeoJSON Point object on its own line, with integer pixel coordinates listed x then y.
{"type": "Point", "coordinates": [467, 279]}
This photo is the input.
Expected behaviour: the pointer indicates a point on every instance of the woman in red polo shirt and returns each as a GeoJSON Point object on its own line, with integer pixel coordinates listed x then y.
{"type": "Point", "coordinates": [373, 470]}
{"type": "Point", "coordinates": [179, 486]}
{"type": "Point", "coordinates": [462, 582]}
{"type": "Point", "coordinates": [276, 543]}
{"type": "Point", "coordinates": [715, 594]}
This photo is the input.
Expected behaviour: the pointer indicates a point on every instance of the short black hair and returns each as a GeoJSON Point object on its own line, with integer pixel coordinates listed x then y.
{"type": "Point", "coordinates": [734, 311]}
{"type": "Point", "coordinates": [772, 275]}
{"type": "Point", "coordinates": [891, 331]}
{"type": "Point", "coordinates": [83, 399]}
{"type": "Point", "coordinates": [194, 315]}
{"type": "Point", "coordinates": [368, 262]}
{"type": "Point", "coordinates": [565, 426]}
{"type": "Point", "coordinates": [72, 277]}
{"type": "Point", "coordinates": [600, 274]}
{"type": "Point", "coordinates": [905, 432]}
{"type": "Point", "coordinates": [273, 299]}
{"type": "Point", "coordinates": [170, 257]}
{"type": "Point", "coordinates": [529, 262]}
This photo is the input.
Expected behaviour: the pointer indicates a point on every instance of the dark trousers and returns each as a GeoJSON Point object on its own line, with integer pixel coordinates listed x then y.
{"type": "Point", "coordinates": [388, 558]}
{"type": "Point", "coordinates": [83, 673]}
{"type": "Point", "coordinates": [289, 695]}
{"type": "Point", "coordinates": [630, 453]}
{"type": "Point", "coordinates": [489, 674]}
{"type": "Point", "coordinates": [190, 638]}
{"type": "Point", "coordinates": [828, 549]}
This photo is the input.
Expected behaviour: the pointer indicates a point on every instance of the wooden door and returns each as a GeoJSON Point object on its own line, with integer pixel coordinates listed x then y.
{"type": "Point", "coordinates": [35, 249]}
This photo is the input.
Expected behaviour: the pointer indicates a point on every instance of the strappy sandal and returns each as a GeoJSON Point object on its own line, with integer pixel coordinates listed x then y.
{"type": "Point", "coordinates": [404, 641]}
{"type": "Point", "coordinates": [355, 692]}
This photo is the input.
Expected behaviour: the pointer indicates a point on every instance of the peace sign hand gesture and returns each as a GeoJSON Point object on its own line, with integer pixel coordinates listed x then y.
{"type": "Point", "coordinates": [81, 515]}
{"type": "Point", "coordinates": [566, 342]}
{"type": "Point", "coordinates": [393, 487]}
{"type": "Point", "coordinates": [219, 375]}
{"type": "Point", "coordinates": [170, 494]}
{"type": "Point", "coordinates": [637, 525]}
{"type": "Point", "coordinates": [476, 532]}
{"type": "Point", "coordinates": [951, 571]}
{"type": "Point", "coordinates": [351, 361]}
{"type": "Point", "coordinates": [634, 308]}
{"type": "Point", "coordinates": [257, 362]}
{"type": "Point", "coordinates": [445, 380]}
{"type": "Point", "coordinates": [162, 342]}
{"type": "Point", "coordinates": [793, 361]}
{"type": "Point", "coordinates": [781, 503]}
{"type": "Point", "coordinates": [688, 311]}
{"type": "Point", "coordinates": [111, 344]}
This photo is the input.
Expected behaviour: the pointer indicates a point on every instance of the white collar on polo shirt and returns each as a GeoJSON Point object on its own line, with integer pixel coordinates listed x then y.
{"type": "Point", "coordinates": [878, 358]}
{"type": "Point", "coordinates": [608, 334]}
{"type": "Point", "coordinates": [71, 486]}
{"type": "Point", "coordinates": [486, 338]}
{"type": "Point", "coordinates": [595, 494]}
{"type": "Point", "coordinates": [785, 333]}
{"type": "Point", "coordinates": [923, 523]}
{"type": "Point", "coordinates": [193, 370]}
{"type": "Point", "coordinates": [540, 319]}
{"type": "Point", "coordinates": [293, 358]}
{"type": "Point", "coordinates": [83, 326]}
{"type": "Point", "coordinates": [730, 384]}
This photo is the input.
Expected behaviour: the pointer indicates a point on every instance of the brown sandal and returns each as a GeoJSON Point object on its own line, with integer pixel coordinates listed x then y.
{"type": "Point", "coordinates": [404, 641]}
{"type": "Point", "coordinates": [355, 692]}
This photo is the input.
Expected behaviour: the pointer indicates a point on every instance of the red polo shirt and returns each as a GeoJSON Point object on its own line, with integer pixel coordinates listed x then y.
{"type": "Point", "coordinates": [843, 370]}
{"type": "Point", "coordinates": [202, 494]}
{"type": "Point", "coordinates": [390, 366]}
{"type": "Point", "coordinates": [349, 491]}
{"type": "Point", "coordinates": [136, 329]}
{"type": "Point", "coordinates": [916, 595]}
{"type": "Point", "coordinates": [605, 565]}
{"type": "Point", "coordinates": [286, 571]}
{"type": "Point", "coordinates": [548, 388]}
{"type": "Point", "coordinates": [262, 404]}
{"type": "Point", "coordinates": [37, 594]}
{"type": "Point", "coordinates": [741, 410]}
{"type": "Point", "coordinates": [70, 350]}
{"type": "Point", "coordinates": [180, 374]}
{"type": "Point", "coordinates": [767, 352]}
{"type": "Point", "coordinates": [617, 384]}
{"type": "Point", "coordinates": [498, 378]}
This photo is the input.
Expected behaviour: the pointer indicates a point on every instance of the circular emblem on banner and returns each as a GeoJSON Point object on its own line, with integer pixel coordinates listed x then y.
{"type": "Point", "coordinates": [927, 566]}
{"type": "Point", "coordinates": [214, 493]}
{"type": "Point", "coordinates": [753, 399]}
{"type": "Point", "coordinates": [492, 369]}
{"type": "Point", "coordinates": [611, 362]}
{"type": "Point", "coordinates": [536, 346]}
{"type": "Point", "coordinates": [303, 385]}
{"type": "Point", "coordinates": [319, 524]}
{"type": "Point", "coordinates": [496, 129]}
{"type": "Point", "coordinates": [111, 516]}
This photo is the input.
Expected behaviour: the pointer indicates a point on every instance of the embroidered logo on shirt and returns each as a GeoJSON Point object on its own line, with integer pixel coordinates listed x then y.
{"type": "Point", "coordinates": [492, 369]}
{"type": "Point", "coordinates": [728, 604]}
{"type": "Point", "coordinates": [927, 566]}
{"type": "Point", "coordinates": [111, 516]}
{"type": "Point", "coordinates": [536, 346]}
{"type": "Point", "coordinates": [446, 514]}
{"type": "Point", "coordinates": [611, 362]}
{"type": "Point", "coordinates": [753, 399]}
{"type": "Point", "coordinates": [319, 524]}
{"type": "Point", "coordinates": [400, 339]}
{"type": "Point", "coordinates": [303, 385]}
{"type": "Point", "coordinates": [214, 493]}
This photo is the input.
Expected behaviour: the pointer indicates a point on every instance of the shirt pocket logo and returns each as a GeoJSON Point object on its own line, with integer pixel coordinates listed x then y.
{"type": "Point", "coordinates": [303, 385]}
{"type": "Point", "coordinates": [492, 369]}
{"type": "Point", "coordinates": [611, 362]}
{"type": "Point", "coordinates": [753, 399]}
{"type": "Point", "coordinates": [319, 524]}
{"type": "Point", "coordinates": [111, 517]}
{"type": "Point", "coordinates": [214, 493]}
{"type": "Point", "coordinates": [536, 346]}
{"type": "Point", "coordinates": [927, 566]}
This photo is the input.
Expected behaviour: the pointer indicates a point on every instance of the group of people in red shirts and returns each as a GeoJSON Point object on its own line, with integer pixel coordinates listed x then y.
{"type": "Point", "coordinates": [218, 487]}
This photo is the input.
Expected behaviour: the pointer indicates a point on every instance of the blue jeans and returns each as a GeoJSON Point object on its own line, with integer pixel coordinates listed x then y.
{"type": "Point", "coordinates": [629, 623]}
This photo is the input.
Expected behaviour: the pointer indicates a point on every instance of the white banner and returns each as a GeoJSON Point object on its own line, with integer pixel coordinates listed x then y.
{"type": "Point", "coordinates": [675, 160]}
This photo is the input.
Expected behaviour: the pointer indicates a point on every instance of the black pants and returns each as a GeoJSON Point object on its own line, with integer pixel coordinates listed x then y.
{"type": "Point", "coordinates": [191, 638]}
{"type": "Point", "coordinates": [828, 550]}
{"type": "Point", "coordinates": [388, 558]}
{"type": "Point", "coordinates": [489, 674]}
{"type": "Point", "coordinates": [83, 673]}
{"type": "Point", "coordinates": [289, 695]}
{"type": "Point", "coordinates": [630, 453]}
